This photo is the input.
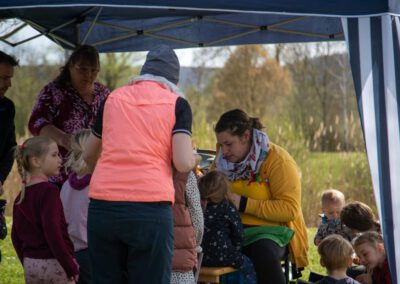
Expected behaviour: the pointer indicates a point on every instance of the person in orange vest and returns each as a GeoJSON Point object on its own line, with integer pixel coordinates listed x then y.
{"type": "Point", "coordinates": [141, 128]}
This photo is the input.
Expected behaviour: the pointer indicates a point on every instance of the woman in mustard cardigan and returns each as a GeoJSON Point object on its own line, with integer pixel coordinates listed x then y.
{"type": "Point", "coordinates": [266, 189]}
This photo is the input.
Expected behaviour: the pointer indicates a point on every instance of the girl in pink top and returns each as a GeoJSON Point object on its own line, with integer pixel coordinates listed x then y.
{"type": "Point", "coordinates": [39, 231]}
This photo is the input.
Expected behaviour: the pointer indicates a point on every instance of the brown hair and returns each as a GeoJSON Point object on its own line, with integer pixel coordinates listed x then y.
{"type": "Point", "coordinates": [371, 237]}
{"type": "Point", "coordinates": [32, 147]}
{"type": "Point", "coordinates": [335, 252]}
{"type": "Point", "coordinates": [214, 187]}
{"type": "Point", "coordinates": [359, 216]}
{"type": "Point", "coordinates": [332, 196]}
{"type": "Point", "coordinates": [236, 122]}
{"type": "Point", "coordinates": [85, 53]}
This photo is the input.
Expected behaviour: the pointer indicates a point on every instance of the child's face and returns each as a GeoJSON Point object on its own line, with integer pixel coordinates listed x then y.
{"type": "Point", "coordinates": [51, 162]}
{"type": "Point", "coordinates": [332, 210]}
{"type": "Point", "coordinates": [371, 256]}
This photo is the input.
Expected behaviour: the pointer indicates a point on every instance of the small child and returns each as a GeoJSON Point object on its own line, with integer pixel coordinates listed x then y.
{"type": "Point", "coordinates": [75, 200]}
{"type": "Point", "coordinates": [371, 251]}
{"type": "Point", "coordinates": [332, 202]}
{"type": "Point", "coordinates": [223, 232]}
{"type": "Point", "coordinates": [336, 256]}
{"type": "Point", "coordinates": [39, 231]}
{"type": "Point", "coordinates": [358, 217]}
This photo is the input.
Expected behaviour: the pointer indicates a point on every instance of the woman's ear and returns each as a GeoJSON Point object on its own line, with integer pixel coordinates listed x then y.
{"type": "Point", "coordinates": [246, 136]}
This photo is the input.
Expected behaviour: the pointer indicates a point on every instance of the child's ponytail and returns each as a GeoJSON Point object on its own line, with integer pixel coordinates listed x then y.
{"type": "Point", "coordinates": [19, 157]}
{"type": "Point", "coordinates": [75, 160]}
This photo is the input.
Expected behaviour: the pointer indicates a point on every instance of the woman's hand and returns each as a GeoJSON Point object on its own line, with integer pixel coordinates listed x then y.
{"type": "Point", "coordinates": [234, 198]}
{"type": "Point", "coordinates": [62, 139]}
{"type": "Point", "coordinates": [65, 141]}
{"type": "Point", "coordinates": [197, 158]}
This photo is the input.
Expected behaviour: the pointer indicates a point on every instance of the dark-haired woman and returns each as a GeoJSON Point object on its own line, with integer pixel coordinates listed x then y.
{"type": "Point", "coordinates": [266, 188]}
{"type": "Point", "coordinates": [70, 102]}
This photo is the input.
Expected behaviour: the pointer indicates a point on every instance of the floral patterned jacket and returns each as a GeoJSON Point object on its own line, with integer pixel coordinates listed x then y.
{"type": "Point", "coordinates": [65, 109]}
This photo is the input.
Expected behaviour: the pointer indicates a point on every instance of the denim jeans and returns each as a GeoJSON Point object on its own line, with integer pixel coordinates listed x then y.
{"type": "Point", "coordinates": [130, 242]}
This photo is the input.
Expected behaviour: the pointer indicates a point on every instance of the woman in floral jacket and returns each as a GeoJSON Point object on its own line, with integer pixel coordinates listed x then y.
{"type": "Point", "coordinates": [70, 102]}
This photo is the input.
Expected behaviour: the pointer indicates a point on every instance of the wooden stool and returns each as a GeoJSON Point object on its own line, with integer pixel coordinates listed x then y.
{"type": "Point", "coordinates": [212, 274]}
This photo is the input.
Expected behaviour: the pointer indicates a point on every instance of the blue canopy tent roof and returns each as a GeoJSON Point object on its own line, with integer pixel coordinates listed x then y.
{"type": "Point", "coordinates": [137, 25]}
{"type": "Point", "coordinates": [370, 27]}
{"type": "Point", "coordinates": [113, 29]}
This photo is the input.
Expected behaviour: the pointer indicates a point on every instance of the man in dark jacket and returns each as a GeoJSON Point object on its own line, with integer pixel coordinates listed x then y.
{"type": "Point", "coordinates": [7, 130]}
{"type": "Point", "coordinates": [7, 114]}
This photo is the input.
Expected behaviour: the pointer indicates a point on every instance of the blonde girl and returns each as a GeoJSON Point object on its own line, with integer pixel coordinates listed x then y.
{"type": "Point", "coordinates": [370, 249]}
{"type": "Point", "coordinates": [39, 231]}
{"type": "Point", "coordinates": [75, 200]}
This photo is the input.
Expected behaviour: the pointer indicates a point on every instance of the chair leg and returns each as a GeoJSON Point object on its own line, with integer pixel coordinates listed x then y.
{"type": "Point", "coordinates": [287, 271]}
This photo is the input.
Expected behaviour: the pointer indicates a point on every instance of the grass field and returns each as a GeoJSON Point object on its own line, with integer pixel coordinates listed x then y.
{"type": "Point", "coordinates": [11, 271]}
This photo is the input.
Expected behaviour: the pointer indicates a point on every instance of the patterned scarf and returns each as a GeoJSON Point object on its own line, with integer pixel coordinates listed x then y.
{"type": "Point", "coordinates": [249, 168]}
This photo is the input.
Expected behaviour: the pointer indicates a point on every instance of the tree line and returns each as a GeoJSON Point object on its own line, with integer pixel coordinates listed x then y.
{"type": "Point", "coordinates": [292, 88]}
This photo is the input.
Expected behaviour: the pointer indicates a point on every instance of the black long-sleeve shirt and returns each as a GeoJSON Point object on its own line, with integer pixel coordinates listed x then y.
{"type": "Point", "coordinates": [7, 137]}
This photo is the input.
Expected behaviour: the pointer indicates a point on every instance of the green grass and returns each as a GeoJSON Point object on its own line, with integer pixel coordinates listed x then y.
{"type": "Point", "coordinates": [347, 172]}
{"type": "Point", "coordinates": [12, 273]}
{"type": "Point", "coordinates": [313, 256]}
{"type": "Point", "coordinates": [10, 267]}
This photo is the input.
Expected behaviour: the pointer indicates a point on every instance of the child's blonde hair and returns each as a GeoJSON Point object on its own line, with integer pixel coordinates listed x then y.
{"type": "Point", "coordinates": [371, 237]}
{"type": "Point", "coordinates": [32, 147]}
{"type": "Point", "coordinates": [332, 196]}
{"type": "Point", "coordinates": [335, 252]}
{"type": "Point", "coordinates": [214, 187]}
{"type": "Point", "coordinates": [75, 160]}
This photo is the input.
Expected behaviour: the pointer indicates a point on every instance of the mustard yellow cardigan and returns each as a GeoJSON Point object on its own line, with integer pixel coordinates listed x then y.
{"type": "Point", "coordinates": [276, 200]}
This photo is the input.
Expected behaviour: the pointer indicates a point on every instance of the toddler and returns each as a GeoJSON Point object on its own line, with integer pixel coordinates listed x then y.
{"type": "Point", "coordinates": [39, 231]}
{"type": "Point", "coordinates": [223, 231]}
{"type": "Point", "coordinates": [75, 200]}
{"type": "Point", "coordinates": [371, 251]}
{"type": "Point", "coordinates": [336, 256]}
{"type": "Point", "coordinates": [332, 202]}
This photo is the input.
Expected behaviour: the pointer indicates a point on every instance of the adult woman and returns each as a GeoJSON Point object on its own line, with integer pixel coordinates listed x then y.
{"type": "Point", "coordinates": [265, 188]}
{"type": "Point", "coordinates": [141, 129]}
{"type": "Point", "coordinates": [70, 102]}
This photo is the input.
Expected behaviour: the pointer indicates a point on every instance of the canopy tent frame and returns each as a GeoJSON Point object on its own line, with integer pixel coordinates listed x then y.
{"type": "Point", "coordinates": [277, 27]}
